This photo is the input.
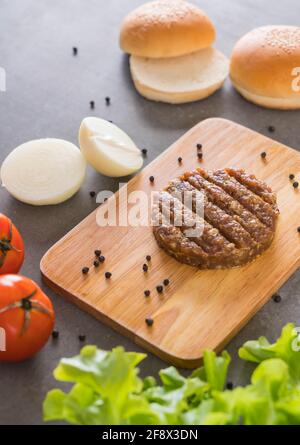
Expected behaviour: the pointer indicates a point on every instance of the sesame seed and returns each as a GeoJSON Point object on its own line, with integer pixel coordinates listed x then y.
{"type": "Point", "coordinates": [151, 179]}
{"type": "Point", "coordinates": [85, 270]}
{"type": "Point", "coordinates": [199, 146]}
{"type": "Point", "coordinates": [166, 282]}
{"type": "Point", "coordinates": [75, 51]}
{"type": "Point", "coordinates": [271, 129]}
{"type": "Point", "coordinates": [263, 155]}
{"type": "Point", "coordinates": [200, 155]}
{"type": "Point", "coordinates": [96, 263]}
{"type": "Point", "coordinates": [229, 386]}
{"type": "Point", "coordinates": [107, 100]}
{"type": "Point", "coordinates": [145, 268]}
{"type": "Point", "coordinates": [149, 322]}
{"type": "Point", "coordinates": [292, 176]}
{"type": "Point", "coordinates": [180, 159]}
{"type": "Point", "coordinates": [82, 337]}
{"type": "Point", "coordinates": [295, 184]}
{"type": "Point", "coordinates": [101, 258]}
{"type": "Point", "coordinates": [148, 257]}
{"type": "Point", "coordinates": [298, 229]}
{"type": "Point", "coordinates": [98, 252]}
{"type": "Point", "coordinates": [92, 194]}
{"type": "Point", "coordinates": [159, 289]}
{"type": "Point", "coordinates": [144, 151]}
{"type": "Point", "coordinates": [108, 275]}
{"type": "Point", "coordinates": [92, 104]}
{"type": "Point", "coordinates": [147, 293]}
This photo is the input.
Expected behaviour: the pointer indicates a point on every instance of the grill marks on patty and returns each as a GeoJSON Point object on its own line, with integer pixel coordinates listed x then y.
{"type": "Point", "coordinates": [208, 237]}
{"type": "Point", "coordinates": [254, 203]}
{"type": "Point", "coordinates": [174, 242]}
{"type": "Point", "coordinates": [261, 234]}
{"type": "Point", "coordinates": [255, 185]}
{"type": "Point", "coordinates": [239, 214]}
{"type": "Point", "coordinates": [225, 223]}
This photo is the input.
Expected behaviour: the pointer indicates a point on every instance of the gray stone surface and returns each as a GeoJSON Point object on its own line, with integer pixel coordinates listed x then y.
{"type": "Point", "coordinates": [48, 94]}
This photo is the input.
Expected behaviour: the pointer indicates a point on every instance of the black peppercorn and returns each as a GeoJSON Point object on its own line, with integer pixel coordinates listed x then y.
{"type": "Point", "coordinates": [85, 270]}
{"type": "Point", "coordinates": [107, 100]}
{"type": "Point", "coordinates": [151, 179]}
{"type": "Point", "coordinates": [276, 298]}
{"type": "Point", "coordinates": [229, 385]}
{"type": "Point", "coordinates": [96, 263]}
{"type": "Point", "coordinates": [292, 176]}
{"type": "Point", "coordinates": [75, 51]}
{"type": "Point", "coordinates": [199, 146]}
{"type": "Point", "coordinates": [145, 268]}
{"type": "Point", "coordinates": [271, 128]}
{"type": "Point", "coordinates": [166, 282]}
{"type": "Point", "coordinates": [200, 155]}
{"type": "Point", "coordinates": [263, 155]}
{"type": "Point", "coordinates": [82, 337]}
{"type": "Point", "coordinates": [101, 258]}
{"type": "Point", "coordinates": [97, 253]}
{"type": "Point", "coordinates": [92, 194]}
{"type": "Point", "coordinates": [147, 293]}
{"type": "Point", "coordinates": [144, 151]}
{"type": "Point", "coordinates": [159, 289]}
{"type": "Point", "coordinates": [298, 229]}
{"type": "Point", "coordinates": [295, 184]}
{"type": "Point", "coordinates": [180, 159]}
{"type": "Point", "coordinates": [148, 257]}
{"type": "Point", "coordinates": [55, 335]}
{"type": "Point", "coordinates": [92, 104]}
{"type": "Point", "coordinates": [108, 275]}
{"type": "Point", "coordinates": [149, 322]}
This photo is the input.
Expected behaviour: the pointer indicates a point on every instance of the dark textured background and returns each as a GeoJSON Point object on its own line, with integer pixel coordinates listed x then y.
{"type": "Point", "coordinates": [48, 94]}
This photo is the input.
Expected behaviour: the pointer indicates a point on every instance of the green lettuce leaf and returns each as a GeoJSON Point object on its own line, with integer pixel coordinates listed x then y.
{"type": "Point", "coordinates": [173, 397]}
{"type": "Point", "coordinates": [287, 348]}
{"type": "Point", "coordinates": [107, 389]}
{"type": "Point", "coordinates": [104, 381]}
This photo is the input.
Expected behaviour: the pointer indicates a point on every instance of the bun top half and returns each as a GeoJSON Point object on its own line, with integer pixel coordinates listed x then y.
{"type": "Point", "coordinates": [166, 28]}
{"type": "Point", "coordinates": [264, 62]}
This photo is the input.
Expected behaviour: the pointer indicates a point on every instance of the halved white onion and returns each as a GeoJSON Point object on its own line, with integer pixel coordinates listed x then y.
{"type": "Point", "coordinates": [44, 171]}
{"type": "Point", "coordinates": [108, 148]}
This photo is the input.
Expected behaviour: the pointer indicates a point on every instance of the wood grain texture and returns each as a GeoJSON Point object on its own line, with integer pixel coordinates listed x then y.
{"type": "Point", "coordinates": [200, 309]}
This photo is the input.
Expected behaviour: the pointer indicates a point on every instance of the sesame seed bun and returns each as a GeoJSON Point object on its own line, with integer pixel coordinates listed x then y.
{"type": "Point", "coordinates": [265, 66]}
{"type": "Point", "coordinates": [166, 28]}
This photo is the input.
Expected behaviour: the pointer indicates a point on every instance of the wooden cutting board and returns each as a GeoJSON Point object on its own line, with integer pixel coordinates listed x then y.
{"type": "Point", "coordinates": [199, 309]}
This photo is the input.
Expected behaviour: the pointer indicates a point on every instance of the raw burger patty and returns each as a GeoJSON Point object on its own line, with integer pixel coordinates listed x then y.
{"type": "Point", "coordinates": [235, 223]}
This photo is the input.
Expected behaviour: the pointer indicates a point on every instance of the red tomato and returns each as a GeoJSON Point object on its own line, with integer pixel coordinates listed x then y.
{"type": "Point", "coordinates": [26, 318]}
{"type": "Point", "coordinates": [11, 247]}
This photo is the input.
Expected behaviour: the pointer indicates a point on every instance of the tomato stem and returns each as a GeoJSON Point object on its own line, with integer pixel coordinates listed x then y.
{"type": "Point", "coordinates": [6, 246]}
{"type": "Point", "coordinates": [26, 304]}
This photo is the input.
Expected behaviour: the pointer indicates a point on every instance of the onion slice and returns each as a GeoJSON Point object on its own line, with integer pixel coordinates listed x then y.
{"type": "Point", "coordinates": [43, 171]}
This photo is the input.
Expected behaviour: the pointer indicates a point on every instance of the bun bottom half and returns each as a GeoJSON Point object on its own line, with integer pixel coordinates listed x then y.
{"type": "Point", "coordinates": [180, 79]}
{"type": "Point", "coordinates": [279, 103]}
